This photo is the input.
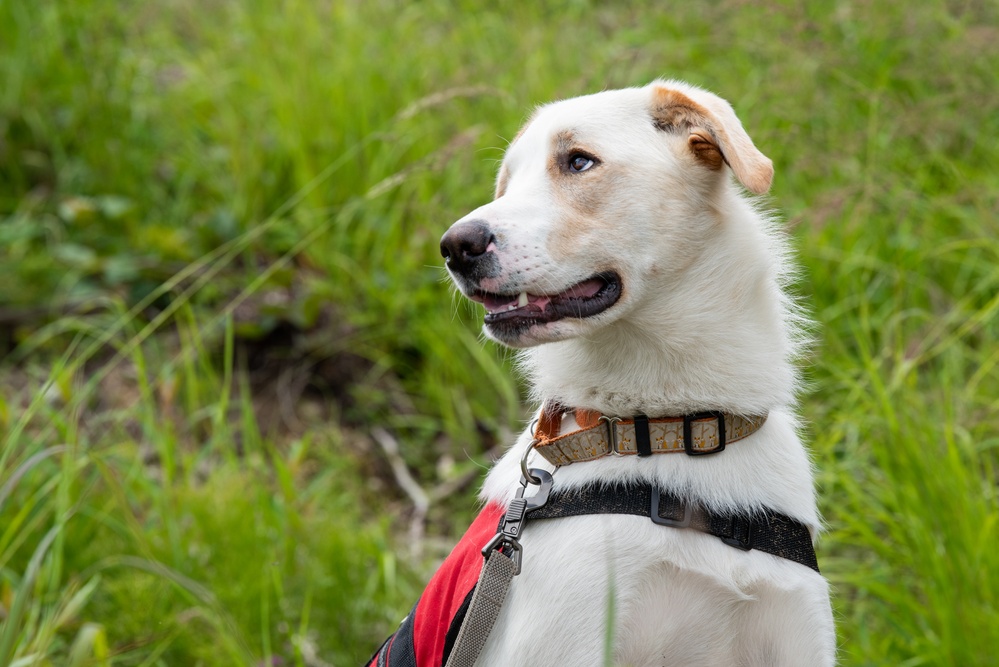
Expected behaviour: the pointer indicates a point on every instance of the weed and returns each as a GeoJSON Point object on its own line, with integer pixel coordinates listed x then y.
{"type": "Point", "coordinates": [218, 271]}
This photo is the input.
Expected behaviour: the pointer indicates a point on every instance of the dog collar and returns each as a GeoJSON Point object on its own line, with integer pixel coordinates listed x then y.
{"type": "Point", "coordinates": [599, 435]}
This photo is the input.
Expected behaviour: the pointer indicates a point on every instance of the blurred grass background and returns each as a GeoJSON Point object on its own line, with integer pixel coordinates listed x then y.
{"type": "Point", "coordinates": [222, 308]}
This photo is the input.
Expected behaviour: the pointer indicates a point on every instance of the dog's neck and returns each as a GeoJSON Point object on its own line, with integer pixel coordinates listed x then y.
{"type": "Point", "coordinates": [722, 338]}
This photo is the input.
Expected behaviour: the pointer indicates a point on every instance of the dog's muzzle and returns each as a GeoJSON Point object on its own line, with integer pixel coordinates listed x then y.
{"type": "Point", "coordinates": [472, 255]}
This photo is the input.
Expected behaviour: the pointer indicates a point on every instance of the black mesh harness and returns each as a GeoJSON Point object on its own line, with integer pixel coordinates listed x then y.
{"type": "Point", "coordinates": [766, 531]}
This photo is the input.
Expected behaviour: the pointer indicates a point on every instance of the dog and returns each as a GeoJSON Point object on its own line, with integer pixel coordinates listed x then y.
{"type": "Point", "coordinates": [624, 260]}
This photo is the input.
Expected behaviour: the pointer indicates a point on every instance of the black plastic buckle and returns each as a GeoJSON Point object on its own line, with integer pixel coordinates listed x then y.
{"type": "Point", "coordinates": [664, 521]}
{"type": "Point", "coordinates": [688, 437]}
{"type": "Point", "coordinates": [740, 533]}
{"type": "Point", "coordinates": [507, 538]}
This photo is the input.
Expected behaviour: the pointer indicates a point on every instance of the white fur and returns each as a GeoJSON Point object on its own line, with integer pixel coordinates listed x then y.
{"type": "Point", "coordinates": [703, 323]}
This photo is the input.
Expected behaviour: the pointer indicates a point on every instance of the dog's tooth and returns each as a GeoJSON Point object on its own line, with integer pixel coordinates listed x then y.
{"type": "Point", "coordinates": [522, 301]}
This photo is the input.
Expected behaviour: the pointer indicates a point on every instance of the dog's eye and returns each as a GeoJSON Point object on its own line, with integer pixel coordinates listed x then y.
{"type": "Point", "coordinates": [579, 162]}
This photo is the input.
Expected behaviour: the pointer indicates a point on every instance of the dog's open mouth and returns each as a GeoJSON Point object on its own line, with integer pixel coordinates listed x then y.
{"type": "Point", "coordinates": [584, 299]}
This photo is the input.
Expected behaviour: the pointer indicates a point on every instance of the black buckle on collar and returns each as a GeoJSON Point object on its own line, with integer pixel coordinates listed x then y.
{"type": "Point", "coordinates": [683, 522]}
{"type": "Point", "coordinates": [688, 438]}
{"type": "Point", "coordinates": [740, 533]}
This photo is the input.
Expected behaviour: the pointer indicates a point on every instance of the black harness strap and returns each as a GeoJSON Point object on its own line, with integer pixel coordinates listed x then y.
{"type": "Point", "coordinates": [767, 531]}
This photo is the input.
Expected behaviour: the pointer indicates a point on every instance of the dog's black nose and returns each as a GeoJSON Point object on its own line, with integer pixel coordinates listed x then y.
{"type": "Point", "coordinates": [465, 244]}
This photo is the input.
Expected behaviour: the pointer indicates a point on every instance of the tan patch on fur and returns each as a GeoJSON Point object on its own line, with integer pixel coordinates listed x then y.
{"type": "Point", "coordinates": [573, 191]}
{"type": "Point", "coordinates": [705, 148]}
{"type": "Point", "coordinates": [563, 143]}
{"type": "Point", "coordinates": [580, 197]}
{"type": "Point", "coordinates": [672, 110]}
{"type": "Point", "coordinates": [714, 128]}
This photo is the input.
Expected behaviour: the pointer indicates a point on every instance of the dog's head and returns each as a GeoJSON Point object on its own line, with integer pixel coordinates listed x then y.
{"type": "Point", "coordinates": [600, 202]}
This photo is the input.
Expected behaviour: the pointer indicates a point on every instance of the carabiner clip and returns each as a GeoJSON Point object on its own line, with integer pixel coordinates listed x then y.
{"type": "Point", "coordinates": [543, 479]}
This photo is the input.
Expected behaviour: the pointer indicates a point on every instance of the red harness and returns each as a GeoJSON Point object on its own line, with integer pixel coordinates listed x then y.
{"type": "Point", "coordinates": [426, 636]}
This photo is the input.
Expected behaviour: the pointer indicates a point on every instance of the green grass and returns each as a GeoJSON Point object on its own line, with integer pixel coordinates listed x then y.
{"type": "Point", "coordinates": [218, 270]}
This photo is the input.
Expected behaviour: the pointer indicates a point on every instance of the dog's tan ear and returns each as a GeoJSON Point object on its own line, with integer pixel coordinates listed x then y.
{"type": "Point", "coordinates": [715, 133]}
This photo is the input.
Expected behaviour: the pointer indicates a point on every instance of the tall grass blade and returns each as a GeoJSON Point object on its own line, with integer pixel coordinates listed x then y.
{"type": "Point", "coordinates": [22, 596]}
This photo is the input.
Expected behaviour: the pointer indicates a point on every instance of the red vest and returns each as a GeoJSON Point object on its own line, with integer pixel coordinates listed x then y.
{"type": "Point", "coordinates": [425, 637]}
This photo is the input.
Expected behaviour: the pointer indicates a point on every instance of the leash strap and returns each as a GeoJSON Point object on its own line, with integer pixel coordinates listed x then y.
{"type": "Point", "coordinates": [767, 531]}
{"type": "Point", "coordinates": [487, 600]}
{"type": "Point", "coordinates": [503, 558]}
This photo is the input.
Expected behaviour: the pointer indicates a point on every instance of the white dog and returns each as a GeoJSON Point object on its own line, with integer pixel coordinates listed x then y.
{"type": "Point", "coordinates": [640, 280]}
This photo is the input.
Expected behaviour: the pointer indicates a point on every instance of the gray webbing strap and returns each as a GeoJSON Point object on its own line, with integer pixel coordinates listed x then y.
{"type": "Point", "coordinates": [498, 571]}
{"type": "Point", "coordinates": [487, 600]}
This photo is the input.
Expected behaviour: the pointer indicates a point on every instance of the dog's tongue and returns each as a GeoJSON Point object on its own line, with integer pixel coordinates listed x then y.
{"type": "Point", "coordinates": [583, 290]}
{"type": "Point", "coordinates": [494, 302]}
{"type": "Point", "coordinates": [502, 302]}
{"type": "Point", "coordinates": [498, 303]}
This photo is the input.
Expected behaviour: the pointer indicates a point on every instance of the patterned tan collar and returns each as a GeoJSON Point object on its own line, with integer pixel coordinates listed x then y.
{"type": "Point", "coordinates": [599, 435]}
